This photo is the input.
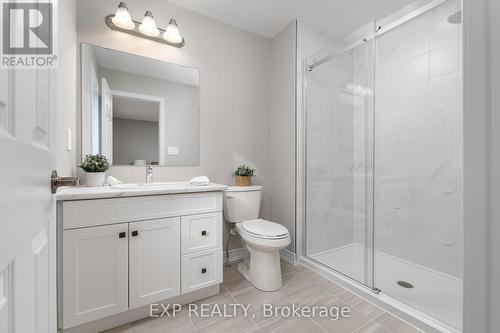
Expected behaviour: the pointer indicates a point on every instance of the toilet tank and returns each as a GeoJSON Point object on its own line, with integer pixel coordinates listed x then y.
{"type": "Point", "coordinates": [242, 203]}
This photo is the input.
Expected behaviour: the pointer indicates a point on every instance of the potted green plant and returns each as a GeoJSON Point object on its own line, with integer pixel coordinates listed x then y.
{"type": "Point", "coordinates": [95, 167]}
{"type": "Point", "coordinates": [243, 175]}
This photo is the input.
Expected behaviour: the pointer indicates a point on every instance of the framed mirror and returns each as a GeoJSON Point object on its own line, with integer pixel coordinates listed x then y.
{"type": "Point", "coordinates": [137, 110]}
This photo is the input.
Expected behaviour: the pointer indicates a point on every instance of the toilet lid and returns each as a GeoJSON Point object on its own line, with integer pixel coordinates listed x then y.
{"type": "Point", "coordinates": [265, 229]}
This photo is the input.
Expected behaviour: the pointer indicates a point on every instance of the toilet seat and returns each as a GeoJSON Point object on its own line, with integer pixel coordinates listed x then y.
{"type": "Point", "coordinates": [265, 229]}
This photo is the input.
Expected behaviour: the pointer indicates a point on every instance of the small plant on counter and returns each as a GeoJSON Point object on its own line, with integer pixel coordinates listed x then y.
{"type": "Point", "coordinates": [94, 167]}
{"type": "Point", "coordinates": [243, 175]}
{"type": "Point", "coordinates": [95, 163]}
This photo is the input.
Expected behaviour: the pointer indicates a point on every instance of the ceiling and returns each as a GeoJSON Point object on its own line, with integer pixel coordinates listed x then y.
{"type": "Point", "coordinates": [135, 109]}
{"type": "Point", "coordinates": [268, 17]}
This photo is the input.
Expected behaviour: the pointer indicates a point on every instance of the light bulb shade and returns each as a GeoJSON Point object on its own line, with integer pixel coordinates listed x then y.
{"type": "Point", "coordinates": [148, 25]}
{"type": "Point", "coordinates": [122, 17]}
{"type": "Point", "coordinates": [172, 34]}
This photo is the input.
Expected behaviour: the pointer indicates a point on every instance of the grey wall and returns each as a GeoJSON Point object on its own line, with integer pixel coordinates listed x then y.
{"type": "Point", "coordinates": [134, 140]}
{"type": "Point", "coordinates": [182, 108]}
{"type": "Point", "coordinates": [234, 88]}
{"type": "Point", "coordinates": [282, 124]}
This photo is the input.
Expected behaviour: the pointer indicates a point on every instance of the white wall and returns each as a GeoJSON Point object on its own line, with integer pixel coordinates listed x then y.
{"type": "Point", "coordinates": [234, 87]}
{"type": "Point", "coordinates": [282, 126]}
{"type": "Point", "coordinates": [182, 111]}
{"type": "Point", "coordinates": [65, 89]}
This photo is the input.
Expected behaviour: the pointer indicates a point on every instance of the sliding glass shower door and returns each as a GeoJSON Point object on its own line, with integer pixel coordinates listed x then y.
{"type": "Point", "coordinates": [384, 166]}
{"type": "Point", "coordinates": [339, 156]}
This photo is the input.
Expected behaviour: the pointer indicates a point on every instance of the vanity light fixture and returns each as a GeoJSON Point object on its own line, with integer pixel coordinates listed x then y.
{"type": "Point", "coordinates": [122, 21]}
{"type": "Point", "coordinates": [148, 25]}
{"type": "Point", "coordinates": [172, 33]}
{"type": "Point", "coordinates": [122, 17]}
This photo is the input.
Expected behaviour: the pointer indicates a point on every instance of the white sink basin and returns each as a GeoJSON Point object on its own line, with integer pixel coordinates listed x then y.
{"type": "Point", "coordinates": [166, 185]}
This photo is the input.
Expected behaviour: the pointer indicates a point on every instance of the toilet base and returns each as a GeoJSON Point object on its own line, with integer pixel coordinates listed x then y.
{"type": "Point", "coordinates": [261, 268]}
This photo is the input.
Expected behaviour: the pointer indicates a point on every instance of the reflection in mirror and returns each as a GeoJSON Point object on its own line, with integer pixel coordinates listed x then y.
{"type": "Point", "coordinates": [137, 110]}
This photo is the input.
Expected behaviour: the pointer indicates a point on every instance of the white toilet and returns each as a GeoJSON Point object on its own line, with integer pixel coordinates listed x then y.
{"type": "Point", "coordinates": [261, 239]}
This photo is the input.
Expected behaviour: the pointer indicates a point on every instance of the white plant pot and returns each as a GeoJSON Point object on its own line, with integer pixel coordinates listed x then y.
{"type": "Point", "coordinates": [95, 179]}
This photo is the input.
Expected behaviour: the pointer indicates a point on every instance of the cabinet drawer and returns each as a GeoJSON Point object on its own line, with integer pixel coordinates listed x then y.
{"type": "Point", "coordinates": [201, 232]}
{"type": "Point", "coordinates": [86, 213]}
{"type": "Point", "coordinates": [201, 269]}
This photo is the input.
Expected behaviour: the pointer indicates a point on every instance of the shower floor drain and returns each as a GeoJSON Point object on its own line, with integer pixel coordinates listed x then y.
{"type": "Point", "coordinates": [405, 284]}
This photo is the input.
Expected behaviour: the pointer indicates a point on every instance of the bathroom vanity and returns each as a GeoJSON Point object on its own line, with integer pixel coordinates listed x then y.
{"type": "Point", "coordinates": [121, 249]}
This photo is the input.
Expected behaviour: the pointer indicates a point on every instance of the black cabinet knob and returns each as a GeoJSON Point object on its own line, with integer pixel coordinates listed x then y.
{"type": "Point", "coordinates": [122, 234]}
{"type": "Point", "coordinates": [203, 270]}
{"type": "Point", "coordinates": [135, 233]}
{"type": "Point", "coordinates": [204, 233]}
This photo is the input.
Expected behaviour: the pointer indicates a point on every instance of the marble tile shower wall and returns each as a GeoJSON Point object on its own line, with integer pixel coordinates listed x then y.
{"type": "Point", "coordinates": [418, 141]}
{"type": "Point", "coordinates": [330, 147]}
{"type": "Point", "coordinates": [362, 167]}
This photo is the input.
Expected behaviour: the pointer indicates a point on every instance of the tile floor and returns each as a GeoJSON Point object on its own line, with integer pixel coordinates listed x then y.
{"type": "Point", "coordinates": [300, 286]}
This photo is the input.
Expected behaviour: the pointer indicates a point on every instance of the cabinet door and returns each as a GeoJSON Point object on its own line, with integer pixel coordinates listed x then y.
{"type": "Point", "coordinates": [154, 251]}
{"type": "Point", "coordinates": [95, 273]}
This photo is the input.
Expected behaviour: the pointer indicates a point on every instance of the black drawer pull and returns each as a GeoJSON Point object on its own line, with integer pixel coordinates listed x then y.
{"type": "Point", "coordinates": [135, 233]}
{"type": "Point", "coordinates": [122, 234]}
{"type": "Point", "coordinates": [203, 270]}
{"type": "Point", "coordinates": [204, 233]}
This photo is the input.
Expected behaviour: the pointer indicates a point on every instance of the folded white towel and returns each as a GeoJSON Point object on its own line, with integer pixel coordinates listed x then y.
{"type": "Point", "coordinates": [200, 181]}
{"type": "Point", "coordinates": [113, 181]}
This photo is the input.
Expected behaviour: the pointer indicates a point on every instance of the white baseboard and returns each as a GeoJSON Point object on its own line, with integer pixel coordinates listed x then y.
{"type": "Point", "coordinates": [234, 255]}
{"type": "Point", "coordinates": [288, 256]}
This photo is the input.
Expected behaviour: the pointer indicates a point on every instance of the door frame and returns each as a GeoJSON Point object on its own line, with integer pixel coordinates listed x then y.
{"type": "Point", "coordinates": [161, 118]}
{"type": "Point", "coordinates": [482, 159]}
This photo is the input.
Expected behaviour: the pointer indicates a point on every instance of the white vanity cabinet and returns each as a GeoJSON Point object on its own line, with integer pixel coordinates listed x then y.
{"type": "Point", "coordinates": [120, 254]}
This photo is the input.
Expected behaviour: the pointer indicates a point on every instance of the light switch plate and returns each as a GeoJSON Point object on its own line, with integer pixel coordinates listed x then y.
{"type": "Point", "coordinates": [173, 151]}
{"type": "Point", "coordinates": [68, 139]}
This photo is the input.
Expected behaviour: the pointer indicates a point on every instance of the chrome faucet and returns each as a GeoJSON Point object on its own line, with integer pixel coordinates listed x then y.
{"type": "Point", "coordinates": [149, 173]}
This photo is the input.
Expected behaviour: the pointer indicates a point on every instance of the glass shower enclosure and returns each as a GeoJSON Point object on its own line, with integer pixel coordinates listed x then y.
{"type": "Point", "coordinates": [384, 159]}
{"type": "Point", "coordinates": [339, 154]}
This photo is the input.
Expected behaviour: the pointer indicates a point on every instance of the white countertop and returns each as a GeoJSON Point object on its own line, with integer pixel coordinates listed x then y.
{"type": "Point", "coordinates": [82, 192]}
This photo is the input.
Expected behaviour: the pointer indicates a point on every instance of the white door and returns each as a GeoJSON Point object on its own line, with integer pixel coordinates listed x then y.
{"type": "Point", "coordinates": [107, 120]}
{"type": "Point", "coordinates": [95, 273]}
{"type": "Point", "coordinates": [27, 231]}
{"type": "Point", "coordinates": [154, 260]}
